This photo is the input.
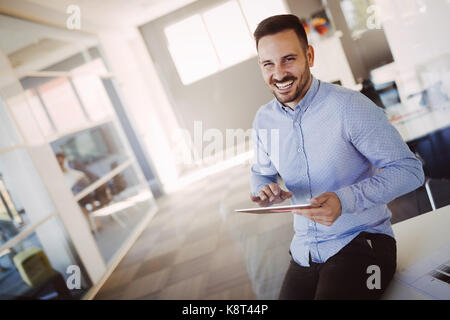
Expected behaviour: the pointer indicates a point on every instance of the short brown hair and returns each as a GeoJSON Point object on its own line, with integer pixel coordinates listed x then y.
{"type": "Point", "coordinates": [282, 22]}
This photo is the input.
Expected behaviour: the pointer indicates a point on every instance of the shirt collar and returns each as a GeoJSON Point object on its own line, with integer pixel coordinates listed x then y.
{"type": "Point", "coordinates": [307, 99]}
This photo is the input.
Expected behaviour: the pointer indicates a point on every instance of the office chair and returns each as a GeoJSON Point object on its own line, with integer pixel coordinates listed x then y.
{"type": "Point", "coordinates": [370, 92]}
{"type": "Point", "coordinates": [434, 152]}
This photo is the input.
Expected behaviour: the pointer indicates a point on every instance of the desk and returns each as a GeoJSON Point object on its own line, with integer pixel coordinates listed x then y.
{"type": "Point", "coordinates": [422, 124]}
{"type": "Point", "coordinates": [417, 238]}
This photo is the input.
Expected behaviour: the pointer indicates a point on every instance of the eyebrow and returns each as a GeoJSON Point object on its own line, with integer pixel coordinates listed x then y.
{"type": "Point", "coordinates": [290, 55]}
{"type": "Point", "coordinates": [284, 57]}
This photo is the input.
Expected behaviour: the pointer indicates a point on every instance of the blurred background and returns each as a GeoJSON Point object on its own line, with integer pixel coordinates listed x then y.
{"type": "Point", "coordinates": [123, 145]}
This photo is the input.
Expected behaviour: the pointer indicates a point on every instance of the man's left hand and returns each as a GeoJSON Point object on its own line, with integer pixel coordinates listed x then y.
{"type": "Point", "coordinates": [327, 208]}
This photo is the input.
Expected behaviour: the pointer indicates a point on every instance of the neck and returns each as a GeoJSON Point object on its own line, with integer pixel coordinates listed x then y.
{"type": "Point", "coordinates": [292, 104]}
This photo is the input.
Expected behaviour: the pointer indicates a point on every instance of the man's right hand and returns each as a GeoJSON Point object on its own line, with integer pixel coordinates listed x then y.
{"type": "Point", "coordinates": [271, 194]}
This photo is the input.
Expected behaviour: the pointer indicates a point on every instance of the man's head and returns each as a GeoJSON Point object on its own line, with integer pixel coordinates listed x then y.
{"type": "Point", "coordinates": [284, 57]}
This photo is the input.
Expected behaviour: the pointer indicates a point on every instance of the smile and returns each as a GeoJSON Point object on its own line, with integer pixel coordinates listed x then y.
{"type": "Point", "coordinates": [285, 85]}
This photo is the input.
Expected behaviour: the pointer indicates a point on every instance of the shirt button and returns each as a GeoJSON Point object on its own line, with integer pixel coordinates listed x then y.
{"type": "Point", "coordinates": [297, 123]}
{"type": "Point", "coordinates": [299, 149]}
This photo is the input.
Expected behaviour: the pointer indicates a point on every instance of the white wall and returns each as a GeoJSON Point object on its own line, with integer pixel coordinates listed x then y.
{"type": "Point", "coordinates": [417, 32]}
{"type": "Point", "coordinates": [366, 53]}
{"type": "Point", "coordinates": [144, 99]}
{"type": "Point", "coordinates": [332, 67]}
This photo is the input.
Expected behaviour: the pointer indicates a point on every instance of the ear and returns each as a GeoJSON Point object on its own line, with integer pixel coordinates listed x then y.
{"type": "Point", "coordinates": [310, 56]}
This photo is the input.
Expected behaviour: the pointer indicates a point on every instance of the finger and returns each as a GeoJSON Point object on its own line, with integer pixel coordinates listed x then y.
{"type": "Point", "coordinates": [259, 201]}
{"type": "Point", "coordinates": [319, 215]}
{"type": "Point", "coordinates": [268, 192]}
{"type": "Point", "coordinates": [263, 203]}
{"type": "Point", "coordinates": [320, 199]}
{"type": "Point", "coordinates": [321, 220]}
{"type": "Point", "coordinates": [286, 194]}
{"type": "Point", "coordinates": [314, 212]}
{"type": "Point", "coordinates": [263, 196]}
{"type": "Point", "coordinates": [275, 188]}
{"type": "Point", "coordinates": [303, 213]}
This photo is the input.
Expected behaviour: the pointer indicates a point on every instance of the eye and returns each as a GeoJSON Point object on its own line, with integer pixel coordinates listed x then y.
{"type": "Point", "coordinates": [267, 64]}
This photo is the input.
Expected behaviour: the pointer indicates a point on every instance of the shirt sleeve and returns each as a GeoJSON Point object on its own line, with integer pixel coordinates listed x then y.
{"type": "Point", "coordinates": [371, 133]}
{"type": "Point", "coordinates": [263, 171]}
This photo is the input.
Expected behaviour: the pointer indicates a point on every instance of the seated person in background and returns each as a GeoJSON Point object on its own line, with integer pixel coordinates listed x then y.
{"type": "Point", "coordinates": [78, 180]}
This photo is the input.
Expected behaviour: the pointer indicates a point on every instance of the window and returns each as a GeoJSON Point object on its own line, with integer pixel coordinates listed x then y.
{"type": "Point", "coordinates": [231, 40]}
{"type": "Point", "coordinates": [257, 10]}
{"type": "Point", "coordinates": [191, 49]}
{"type": "Point", "coordinates": [217, 38]}
{"type": "Point", "coordinates": [8, 133]}
{"type": "Point", "coordinates": [40, 113]}
{"type": "Point", "coordinates": [62, 104]}
{"type": "Point", "coordinates": [91, 91]}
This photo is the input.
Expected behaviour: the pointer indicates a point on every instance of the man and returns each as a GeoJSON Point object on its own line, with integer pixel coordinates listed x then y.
{"type": "Point", "coordinates": [336, 149]}
{"type": "Point", "coordinates": [77, 181]}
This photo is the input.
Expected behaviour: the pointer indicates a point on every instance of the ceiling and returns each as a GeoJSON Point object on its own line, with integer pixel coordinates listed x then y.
{"type": "Point", "coordinates": [24, 41]}
{"type": "Point", "coordinates": [32, 46]}
{"type": "Point", "coordinates": [96, 15]}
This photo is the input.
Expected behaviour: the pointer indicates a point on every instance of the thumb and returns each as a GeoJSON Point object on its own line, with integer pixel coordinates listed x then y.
{"type": "Point", "coordinates": [286, 194]}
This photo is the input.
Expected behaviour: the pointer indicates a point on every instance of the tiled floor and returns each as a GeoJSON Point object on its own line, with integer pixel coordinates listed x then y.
{"type": "Point", "coordinates": [187, 251]}
{"type": "Point", "coordinates": [197, 248]}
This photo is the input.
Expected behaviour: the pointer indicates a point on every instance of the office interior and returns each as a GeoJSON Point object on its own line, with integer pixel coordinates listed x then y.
{"type": "Point", "coordinates": [107, 110]}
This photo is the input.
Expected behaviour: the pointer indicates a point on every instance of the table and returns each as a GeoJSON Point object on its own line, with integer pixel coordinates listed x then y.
{"type": "Point", "coordinates": [416, 239]}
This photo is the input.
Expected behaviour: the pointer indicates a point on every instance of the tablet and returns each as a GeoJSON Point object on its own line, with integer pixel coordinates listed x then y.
{"type": "Point", "coordinates": [278, 209]}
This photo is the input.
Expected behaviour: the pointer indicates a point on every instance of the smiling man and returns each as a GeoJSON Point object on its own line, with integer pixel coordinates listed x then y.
{"type": "Point", "coordinates": [337, 149]}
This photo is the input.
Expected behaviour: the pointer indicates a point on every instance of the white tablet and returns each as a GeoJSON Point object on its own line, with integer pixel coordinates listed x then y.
{"type": "Point", "coordinates": [275, 209]}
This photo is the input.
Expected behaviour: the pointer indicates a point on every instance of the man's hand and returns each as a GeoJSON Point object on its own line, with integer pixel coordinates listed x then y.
{"type": "Point", "coordinates": [271, 194]}
{"type": "Point", "coordinates": [327, 209]}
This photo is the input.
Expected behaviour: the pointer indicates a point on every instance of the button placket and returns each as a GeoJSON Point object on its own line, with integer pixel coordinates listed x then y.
{"type": "Point", "coordinates": [297, 125]}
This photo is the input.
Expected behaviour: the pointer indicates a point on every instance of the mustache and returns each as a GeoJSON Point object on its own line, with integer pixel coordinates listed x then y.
{"type": "Point", "coordinates": [288, 78]}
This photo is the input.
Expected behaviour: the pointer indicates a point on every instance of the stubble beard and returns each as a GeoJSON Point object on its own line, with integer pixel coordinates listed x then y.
{"type": "Point", "coordinates": [300, 90]}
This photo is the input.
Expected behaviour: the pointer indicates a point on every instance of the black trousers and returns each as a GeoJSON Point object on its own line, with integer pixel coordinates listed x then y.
{"type": "Point", "coordinates": [349, 274]}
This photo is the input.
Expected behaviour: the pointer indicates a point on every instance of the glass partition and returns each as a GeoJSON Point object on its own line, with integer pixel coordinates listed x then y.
{"type": "Point", "coordinates": [59, 130]}
{"type": "Point", "coordinates": [115, 208]}
{"type": "Point", "coordinates": [24, 197]}
{"type": "Point", "coordinates": [42, 266]}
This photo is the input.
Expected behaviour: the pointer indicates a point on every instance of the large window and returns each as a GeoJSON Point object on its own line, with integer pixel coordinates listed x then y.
{"type": "Point", "coordinates": [215, 39]}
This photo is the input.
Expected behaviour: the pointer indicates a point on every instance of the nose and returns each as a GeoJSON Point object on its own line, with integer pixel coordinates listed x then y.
{"type": "Point", "coordinates": [279, 73]}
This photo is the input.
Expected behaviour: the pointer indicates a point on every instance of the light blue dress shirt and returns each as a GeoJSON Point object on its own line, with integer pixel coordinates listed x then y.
{"type": "Point", "coordinates": [335, 140]}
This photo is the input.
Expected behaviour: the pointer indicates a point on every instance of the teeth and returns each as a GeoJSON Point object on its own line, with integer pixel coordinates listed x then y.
{"type": "Point", "coordinates": [284, 85]}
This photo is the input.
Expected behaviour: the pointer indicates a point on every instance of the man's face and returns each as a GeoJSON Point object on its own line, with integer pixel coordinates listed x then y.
{"type": "Point", "coordinates": [285, 66]}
